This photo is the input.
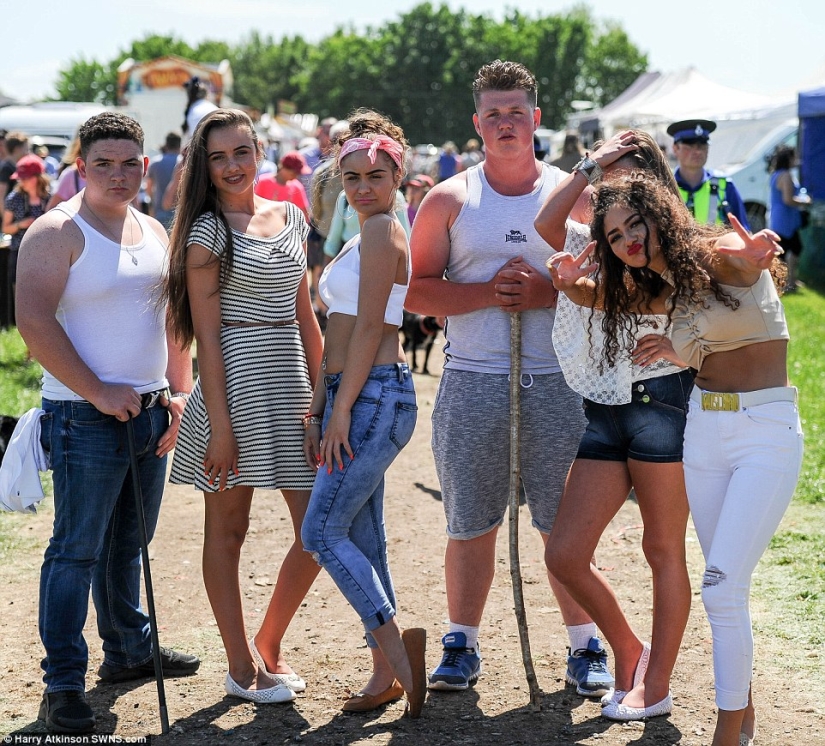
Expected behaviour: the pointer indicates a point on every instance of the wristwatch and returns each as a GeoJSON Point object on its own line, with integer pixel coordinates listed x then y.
{"type": "Point", "coordinates": [592, 171]}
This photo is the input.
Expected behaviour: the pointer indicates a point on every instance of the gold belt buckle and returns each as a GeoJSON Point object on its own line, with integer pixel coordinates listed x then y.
{"type": "Point", "coordinates": [720, 402]}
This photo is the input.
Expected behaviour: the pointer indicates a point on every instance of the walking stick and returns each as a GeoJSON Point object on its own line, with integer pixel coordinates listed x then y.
{"type": "Point", "coordinates": [147, 575]}
{"type": "Point", "coordinates": [515, 473]}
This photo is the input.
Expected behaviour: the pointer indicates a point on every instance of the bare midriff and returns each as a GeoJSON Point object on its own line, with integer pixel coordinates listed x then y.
{"type": "Point", "coordinates": [337, 338]}
{"type": "Point", "coordinates": [757, 366]}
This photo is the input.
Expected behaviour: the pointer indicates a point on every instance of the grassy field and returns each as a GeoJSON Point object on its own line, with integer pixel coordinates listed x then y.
{"type": "Point", "coordinates": [789, 587]}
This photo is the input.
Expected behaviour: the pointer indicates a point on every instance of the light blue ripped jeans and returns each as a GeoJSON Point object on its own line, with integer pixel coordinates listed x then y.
{"type": "Point", "coordinates": [344, 523]}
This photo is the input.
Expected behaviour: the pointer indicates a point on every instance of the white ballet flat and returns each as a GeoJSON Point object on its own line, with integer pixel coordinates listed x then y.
{"type": "Point", "coordinates": [624, 713]}
{"type": "Point", "coordinates": [273, 695]}
{"type": "Point", "coordinates": [615, 696]}
{"type": "Point", "coordinates": [292, 680]}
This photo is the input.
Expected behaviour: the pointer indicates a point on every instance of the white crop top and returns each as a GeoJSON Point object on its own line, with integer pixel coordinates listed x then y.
{"type": "Point", "coordinates": [338, 286]}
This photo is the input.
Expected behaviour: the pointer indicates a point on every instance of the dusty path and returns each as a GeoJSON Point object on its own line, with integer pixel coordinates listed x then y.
{"type": "Point", "coordinates": [325, 640]}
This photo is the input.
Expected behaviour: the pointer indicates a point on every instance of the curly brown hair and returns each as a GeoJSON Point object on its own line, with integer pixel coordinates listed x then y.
{"type": "Point", "coordinates": [685, 245]}
{"type": "Point", "coordinates": [367, 122]}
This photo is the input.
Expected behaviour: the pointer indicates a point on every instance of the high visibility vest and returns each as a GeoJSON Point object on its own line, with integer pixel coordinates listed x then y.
{"type": "Point", "coordinates": [708, 203]}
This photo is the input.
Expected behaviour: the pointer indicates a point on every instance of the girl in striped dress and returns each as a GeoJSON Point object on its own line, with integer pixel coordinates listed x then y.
{"type": "Point", "coordinates": [238, 286]}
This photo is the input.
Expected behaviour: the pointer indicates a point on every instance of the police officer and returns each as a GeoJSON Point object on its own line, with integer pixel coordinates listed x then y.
{"type": "Point", "coordinates": [709, 196]}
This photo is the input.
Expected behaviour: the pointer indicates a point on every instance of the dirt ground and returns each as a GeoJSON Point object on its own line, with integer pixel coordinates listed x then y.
{"type": "Point", "coordinates": [325, 644]}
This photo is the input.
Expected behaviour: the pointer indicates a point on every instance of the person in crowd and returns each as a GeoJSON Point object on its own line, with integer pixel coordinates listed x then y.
{"type": "Point", "coordinates": [417, 189]}
{"type": "Point", "coordinates": [284, 186]}
{"type": "Point", "coordinates": [364, 403]}
{"type": "Point", "coordinates": [709, 196]}
{"type": "Point", "coordinates": [472, 154]}
{"type": "Point", "coordinates": [325, 188]}
{"type": "Point", "coordinates": [743, 439]}
{"type": "Point", "coordinates": [611, 340]}
{"type": "Point", "coordinates": [785, 215]}
{"type": "Point", "coordinates": [345, 224]}
{"type": "Point", "coordinates": [51, 164]}
{"type": "Point", "coordinates": [69, 180]}
{"type": "Point", "coordinates": [87, 307]}
{"type": "Point", "coordinates": [17, 145]}
{"type": "Point", "coordinates": [477, 259]}
{"type": "Point", "coordinates": [198, 105]}
{"type": "Point", "coordinates": [26, 202]}
{"type": "Point", "coordinates": [161, 168]}
{"type": "Point", "coordinates": [4, 153]}
{"type": "Point", "coordinates": [237, 285]}
{"type": "Point", "coordinates": [571, 152]}
{"type": "Point", "coordinates": [448, 161]}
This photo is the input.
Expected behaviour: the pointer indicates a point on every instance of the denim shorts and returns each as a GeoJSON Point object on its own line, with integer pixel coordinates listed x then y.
{"type": "Point", "coordinates": [651, 428]}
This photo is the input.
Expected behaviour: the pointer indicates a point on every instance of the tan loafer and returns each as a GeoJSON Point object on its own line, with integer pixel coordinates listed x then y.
{"type": "Point", "coordinates": [363, 702]}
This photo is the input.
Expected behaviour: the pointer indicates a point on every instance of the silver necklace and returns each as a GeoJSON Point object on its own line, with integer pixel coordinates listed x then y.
{"type": "Point", "coordinates": [117, 239]}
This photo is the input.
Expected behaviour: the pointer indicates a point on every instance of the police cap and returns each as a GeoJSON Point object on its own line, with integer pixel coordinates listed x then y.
{"type": "Point", "coordinates": [696, 130]}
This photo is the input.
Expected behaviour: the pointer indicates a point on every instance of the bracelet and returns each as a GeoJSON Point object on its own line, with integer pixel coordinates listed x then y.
{"type": "Point", "coordinates": [181, 395]}
{"type": "Point", "coordinates": [589, 169]}
{"type": "Point", "coordinates": [310, 420]}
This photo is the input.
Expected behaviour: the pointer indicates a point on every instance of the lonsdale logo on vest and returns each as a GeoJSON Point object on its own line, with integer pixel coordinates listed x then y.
{"type": "Point", "coordinates": [515, 236]}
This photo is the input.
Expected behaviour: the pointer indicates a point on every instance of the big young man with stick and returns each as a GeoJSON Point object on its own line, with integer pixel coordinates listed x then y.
{"type": "Point", "coordinates": [477, 259]}
{"type": "Point", "coordinates": [88, 281]}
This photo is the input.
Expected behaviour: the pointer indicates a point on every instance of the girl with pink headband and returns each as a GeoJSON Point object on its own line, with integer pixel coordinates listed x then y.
{"type": "Point", "coordinates": [364, 404]}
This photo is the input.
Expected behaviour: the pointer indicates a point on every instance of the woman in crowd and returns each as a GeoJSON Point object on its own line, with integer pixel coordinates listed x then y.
{"type": "Point", "coordinates": [786, 203]}
{"type": "Point", "coordinates": [24, 204]}
{"type": "Point", "coordinates": [69, 180]}
{"type": "Point", "coordinates": [743, 439]}
{"type": "Point", "coordinates": [610, 338]}
{"type": "Point", "coordinates": [364, 410]}
{"type": "Point", "coordinates": [237, 284]}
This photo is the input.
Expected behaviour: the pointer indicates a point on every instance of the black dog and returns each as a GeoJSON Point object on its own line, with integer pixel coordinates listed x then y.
{"type": "Point", "coordinates": [420, 331]}
{"type": "Point", "coordinates": [7, 425]}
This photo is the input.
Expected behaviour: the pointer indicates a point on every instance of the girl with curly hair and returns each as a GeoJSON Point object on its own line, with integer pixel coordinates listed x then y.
{"type": "Point", "coordinates": [611, 341]}
{"type": "Point", "coordinates": [743, 439]}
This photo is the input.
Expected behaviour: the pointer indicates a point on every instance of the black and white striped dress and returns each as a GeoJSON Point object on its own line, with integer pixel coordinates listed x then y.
{"type": "Point", "coordinates": [267, 379]}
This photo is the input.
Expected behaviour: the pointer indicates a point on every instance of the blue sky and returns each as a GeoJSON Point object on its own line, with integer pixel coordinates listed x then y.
{"type": "Point", "coordinates": [757, 45]}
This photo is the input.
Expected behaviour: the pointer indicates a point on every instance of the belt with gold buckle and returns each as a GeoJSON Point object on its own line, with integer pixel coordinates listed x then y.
{"type": "Point", "coordinates": [720, 402]}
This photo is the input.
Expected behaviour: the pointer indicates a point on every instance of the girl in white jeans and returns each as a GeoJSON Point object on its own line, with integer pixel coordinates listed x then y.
{"type": "Point", "coordinates": [743, 441]}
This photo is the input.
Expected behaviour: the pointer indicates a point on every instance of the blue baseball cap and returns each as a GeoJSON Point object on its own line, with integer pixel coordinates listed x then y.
{"type": "Point", "coordinates": [695, 130]}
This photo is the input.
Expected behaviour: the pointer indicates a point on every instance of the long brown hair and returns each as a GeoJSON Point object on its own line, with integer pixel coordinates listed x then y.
{"type": "Point", "coordinates": [197, 196]}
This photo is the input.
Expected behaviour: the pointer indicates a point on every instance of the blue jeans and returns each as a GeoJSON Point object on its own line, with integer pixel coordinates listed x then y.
{"type": "Point", "coordinates": [95, 541]}
{"type": "Point", "coordinates": [344, 523]}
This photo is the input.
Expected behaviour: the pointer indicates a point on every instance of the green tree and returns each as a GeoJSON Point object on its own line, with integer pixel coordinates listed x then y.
{"type": "Point", "coordinates": [265, 71]}
{"type": "Point", "coordinates": [84, 80]}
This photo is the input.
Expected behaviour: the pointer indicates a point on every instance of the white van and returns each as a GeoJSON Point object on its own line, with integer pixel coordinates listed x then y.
{"type": "Point", "coordinates": [49, 119]}
{"type": "Point", "coordinates": [747, 164]}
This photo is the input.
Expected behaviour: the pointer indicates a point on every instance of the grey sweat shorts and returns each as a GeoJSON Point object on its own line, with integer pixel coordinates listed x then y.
{"type": "Point", "coordinates": [471, 437]}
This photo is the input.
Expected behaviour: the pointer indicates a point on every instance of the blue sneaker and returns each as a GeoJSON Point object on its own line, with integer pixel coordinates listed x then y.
{"type": "Point", "coordinates": [460, 666]}
{"type": "Point", "coordinates": [587, 670]}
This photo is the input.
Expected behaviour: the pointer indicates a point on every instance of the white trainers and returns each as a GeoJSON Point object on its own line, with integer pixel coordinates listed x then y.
{"type": "Point", "coordinates": [274, 694]}
{"type": "Point", "coordinates": [292, 680]}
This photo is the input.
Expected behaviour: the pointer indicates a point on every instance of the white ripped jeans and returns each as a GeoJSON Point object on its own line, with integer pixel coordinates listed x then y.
{"type": "Point", "coordinates": [741, 470]}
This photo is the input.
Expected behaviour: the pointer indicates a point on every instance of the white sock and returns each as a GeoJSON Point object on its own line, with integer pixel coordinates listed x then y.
{"type": "Point", "coordinates": [471, 633]}
{"type": "Point", "coordinates": [580, 635]}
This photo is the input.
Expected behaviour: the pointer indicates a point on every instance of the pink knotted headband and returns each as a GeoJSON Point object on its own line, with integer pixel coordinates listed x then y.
{"type": "Point", "coordinates": [380, 142]}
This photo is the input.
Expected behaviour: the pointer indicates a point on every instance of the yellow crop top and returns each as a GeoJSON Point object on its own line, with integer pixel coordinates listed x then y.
{"type": "Point", "coordinates": [697, 331]}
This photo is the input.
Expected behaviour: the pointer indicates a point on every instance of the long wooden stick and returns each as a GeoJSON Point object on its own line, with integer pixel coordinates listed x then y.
{"type": "Point", "coordinates": [515, 475]}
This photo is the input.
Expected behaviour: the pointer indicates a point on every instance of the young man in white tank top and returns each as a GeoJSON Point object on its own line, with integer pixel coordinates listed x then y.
{"type": "Point", "coordinates": [477, 259]}
{"type": "Point", "coordinates": [87, 306]}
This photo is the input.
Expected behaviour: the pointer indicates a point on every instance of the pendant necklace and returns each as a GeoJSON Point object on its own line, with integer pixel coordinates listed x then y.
{"type": "Point", "coordinates": [110, 235]}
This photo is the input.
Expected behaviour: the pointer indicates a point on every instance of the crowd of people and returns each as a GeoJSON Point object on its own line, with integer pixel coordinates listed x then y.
{"type": "Point", "coordinates": [653, 358]}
